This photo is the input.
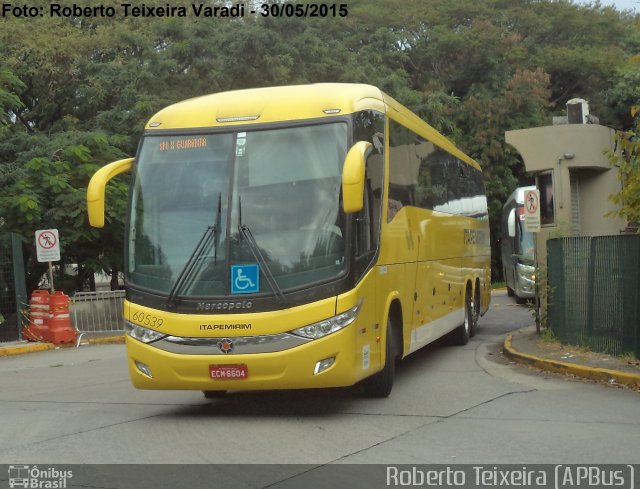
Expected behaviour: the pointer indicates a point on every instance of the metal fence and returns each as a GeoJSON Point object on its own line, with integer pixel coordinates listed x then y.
{"type": "Point", "coordinates": [97, 312]}
{"type": "Point", "coordinates": [594, 292]}
{"type": "Point", "coordinates": [13, 296]}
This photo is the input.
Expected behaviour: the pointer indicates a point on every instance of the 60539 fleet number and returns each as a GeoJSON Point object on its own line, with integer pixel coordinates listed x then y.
{"type": "Point", "coordinates": [147, 319]}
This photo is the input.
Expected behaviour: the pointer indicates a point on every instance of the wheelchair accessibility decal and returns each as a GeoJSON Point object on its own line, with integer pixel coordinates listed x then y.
{"type": "Point", "coordinates": [245, 279]}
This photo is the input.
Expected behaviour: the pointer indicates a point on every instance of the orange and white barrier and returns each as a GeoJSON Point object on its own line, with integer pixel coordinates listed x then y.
{"type": "Point", "coordinates": [38, 316]}
{"type": "Point", "coordinates": [60, 329]}
{"type": "Point", "coordinates": [49, 318]}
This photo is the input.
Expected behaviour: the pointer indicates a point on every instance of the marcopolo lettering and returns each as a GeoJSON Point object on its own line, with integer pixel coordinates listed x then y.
{"type": "Point", "coordinates": [223, 306]}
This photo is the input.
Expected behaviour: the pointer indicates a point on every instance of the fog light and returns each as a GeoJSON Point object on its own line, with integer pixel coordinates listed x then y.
{"type": "Point", "coordinates": [323, 365]}
{"type": "Point", "coordinates": [143, 368]}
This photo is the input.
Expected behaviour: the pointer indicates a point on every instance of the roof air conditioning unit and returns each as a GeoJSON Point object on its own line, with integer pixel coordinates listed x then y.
{"type": "Point", "coordinates": [577, 111]}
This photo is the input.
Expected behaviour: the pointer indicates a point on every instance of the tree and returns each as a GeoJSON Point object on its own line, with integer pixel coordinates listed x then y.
{"type": "Point", "coordinates": [9, 101]}
{"type": "Point", "coordinates": [627, 159]}
{"type": "Point", "coordinates": [49, 191]}
{"type": "Point", "coordinates": [472, 69]}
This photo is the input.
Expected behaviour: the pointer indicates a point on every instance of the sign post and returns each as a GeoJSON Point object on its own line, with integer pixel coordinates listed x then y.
{"type": "Point", "coordinates": [48, 249]}
{"type": "Point", "coordinates": [532, 224]}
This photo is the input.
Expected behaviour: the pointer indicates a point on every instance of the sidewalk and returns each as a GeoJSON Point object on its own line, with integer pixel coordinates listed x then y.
{"type": "Point", "coordinates": [527, 347]}
{"type": "Point", "coordinates": [20, 347]}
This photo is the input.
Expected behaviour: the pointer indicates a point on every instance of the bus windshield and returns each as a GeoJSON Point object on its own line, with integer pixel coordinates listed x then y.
{"type": "Point", "coordinates": [525, 243]}
{"type": "Point", "coordinates": [197, 199]}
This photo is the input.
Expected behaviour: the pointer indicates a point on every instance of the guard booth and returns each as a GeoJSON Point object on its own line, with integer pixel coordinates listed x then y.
{"type": "Point", "coordinates": [573, 174]}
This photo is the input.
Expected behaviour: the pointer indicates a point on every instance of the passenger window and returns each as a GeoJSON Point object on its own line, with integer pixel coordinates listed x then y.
{"type": "Point", "coordinates": [369, 126]}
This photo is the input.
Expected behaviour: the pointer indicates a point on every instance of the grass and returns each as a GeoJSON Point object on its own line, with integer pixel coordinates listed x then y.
{"type": "Point", "coordinates": [549, 337]}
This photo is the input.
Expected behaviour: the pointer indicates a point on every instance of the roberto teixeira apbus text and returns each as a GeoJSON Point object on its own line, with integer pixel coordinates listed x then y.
{"type": "Point", "coordinates": [543, 476]}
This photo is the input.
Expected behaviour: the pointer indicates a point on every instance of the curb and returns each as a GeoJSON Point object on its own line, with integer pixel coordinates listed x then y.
{"type": "Point", "coordinates": [20, 349]}
{"type": "Point", "coordinates": [35, 347]}
{"type": "Point", "coordinates": [591, 373]}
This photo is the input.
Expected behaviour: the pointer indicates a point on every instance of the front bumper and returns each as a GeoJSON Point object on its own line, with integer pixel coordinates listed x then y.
{"type": "Point", "coordinates": [291, 368]}
{"type": "Point", "coordinates": [525, 282]}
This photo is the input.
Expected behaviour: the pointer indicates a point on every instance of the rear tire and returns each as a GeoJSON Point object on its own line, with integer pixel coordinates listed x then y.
{"type": "Point", "coordinates": [475, 312]}
{"type": "Point", "coordinates": [381, 383]}
{"type": "Point", "coordinates": [462, 332]}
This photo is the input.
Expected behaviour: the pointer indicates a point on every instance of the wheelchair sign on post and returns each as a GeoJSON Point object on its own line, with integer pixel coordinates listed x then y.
{"type": "Point", "coordinates": [245, 279]}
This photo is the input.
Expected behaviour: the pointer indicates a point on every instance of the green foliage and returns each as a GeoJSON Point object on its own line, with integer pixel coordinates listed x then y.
{"type": "Point", "coordinates": [49, 191]}
{"type": "Point", "coordinates": [8, 99]}
{"type": "Point", "coordinates": [75, 92]}
{"type": "Point", "coordinates": [624, 94]}
{"type": "Point", "coordinates": [549, 337]}
{"type": "Point", "coordinates": [627, 159]}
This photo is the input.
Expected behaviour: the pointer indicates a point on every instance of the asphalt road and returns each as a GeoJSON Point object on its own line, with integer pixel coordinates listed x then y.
{"type": "Point", "coordinates": [450, 405]}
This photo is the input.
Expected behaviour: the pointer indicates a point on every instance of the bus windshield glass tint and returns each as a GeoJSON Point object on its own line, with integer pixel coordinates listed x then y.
{"type": "Point", "coordinates": [283, 184]}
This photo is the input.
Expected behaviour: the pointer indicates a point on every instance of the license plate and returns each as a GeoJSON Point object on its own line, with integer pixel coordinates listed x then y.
{"type": "Point", "coordinates": [228, 372]}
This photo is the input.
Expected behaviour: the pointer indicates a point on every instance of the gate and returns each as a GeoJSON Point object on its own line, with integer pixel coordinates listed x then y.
{"type": "Point", "coordinates": [13, 294]}
{"type": "Point", "coordinates": [98, 312]}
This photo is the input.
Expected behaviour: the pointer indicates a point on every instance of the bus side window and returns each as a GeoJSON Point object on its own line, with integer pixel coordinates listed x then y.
{"type": "Point", "coordinates": [367, 221]}
{"type": "Point", "coordinates": [363, 224]}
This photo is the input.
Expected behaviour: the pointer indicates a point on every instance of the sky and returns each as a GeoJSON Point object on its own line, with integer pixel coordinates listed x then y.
{"type": "Point", "coordinates": [619, 4]}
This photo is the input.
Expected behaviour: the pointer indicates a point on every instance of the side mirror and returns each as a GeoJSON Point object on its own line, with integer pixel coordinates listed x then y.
{"type": "Point", "coordinates": [96, 188]}
{"type": "Point", "coordinates": [353, 177]}
{"type": "Point", "coordinates": [512, 223]}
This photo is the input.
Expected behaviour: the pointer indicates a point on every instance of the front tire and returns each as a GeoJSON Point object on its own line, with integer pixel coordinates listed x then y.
{"type": "Point", "coordinates": [381, 383]}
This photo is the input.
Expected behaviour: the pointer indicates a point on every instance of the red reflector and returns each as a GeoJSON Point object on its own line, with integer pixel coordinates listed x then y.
{"type": "Point", "coordinates": [228, 372]}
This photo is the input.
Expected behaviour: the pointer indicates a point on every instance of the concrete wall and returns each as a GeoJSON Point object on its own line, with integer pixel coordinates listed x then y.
{"type": "Point", "coordinates": [595, 188]}
{"type": "Point", "coordinates": [541, 147]}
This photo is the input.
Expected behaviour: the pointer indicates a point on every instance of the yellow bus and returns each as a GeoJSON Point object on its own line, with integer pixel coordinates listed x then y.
{"type": "Point", "coordinates": [295, 237]}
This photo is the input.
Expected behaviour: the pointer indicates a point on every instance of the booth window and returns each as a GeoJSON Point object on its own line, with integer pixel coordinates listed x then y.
{"type": "Point", "coordinates": [547, 209]}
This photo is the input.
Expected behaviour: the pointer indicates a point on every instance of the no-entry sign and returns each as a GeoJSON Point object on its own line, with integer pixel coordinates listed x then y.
{"type": "Point", "coordinates": [47, 245]}
{"type": "Point", "coordinates": [532, 210]}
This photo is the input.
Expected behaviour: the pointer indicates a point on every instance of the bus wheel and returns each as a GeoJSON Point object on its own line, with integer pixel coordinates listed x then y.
{"type": "Point", "coordinates": [462, 332]}
{"type": "Point", "coordinates": [381, 383]}
{"type": "Point", "coordinates": [475, 312]}
{"type": "Point", "coordinates": [214, 394]}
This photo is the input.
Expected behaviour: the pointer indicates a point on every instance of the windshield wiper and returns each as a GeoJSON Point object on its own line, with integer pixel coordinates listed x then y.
{"type": "Point", "coordinates": [245, 232]}
{"type": "Point", "coordinates": [194, 262]}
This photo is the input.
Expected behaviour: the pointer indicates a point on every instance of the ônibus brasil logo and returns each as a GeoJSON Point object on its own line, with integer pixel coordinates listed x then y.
{"type": "Point", "coordinates": [35, 478]}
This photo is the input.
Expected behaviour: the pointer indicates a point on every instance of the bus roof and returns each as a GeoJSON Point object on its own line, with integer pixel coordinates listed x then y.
{"type": "Point", "coordinates": [270, 104]}
{"type": "Point", "coordinates": [291, 103]}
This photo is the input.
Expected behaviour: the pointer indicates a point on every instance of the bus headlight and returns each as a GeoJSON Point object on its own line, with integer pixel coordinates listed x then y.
{"type": "Point", "coordinates": [142, 334]}
{"type": "Point", "coordinates": [526, 272]}
{"type": "Point", "coordinates": [330, 325]}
